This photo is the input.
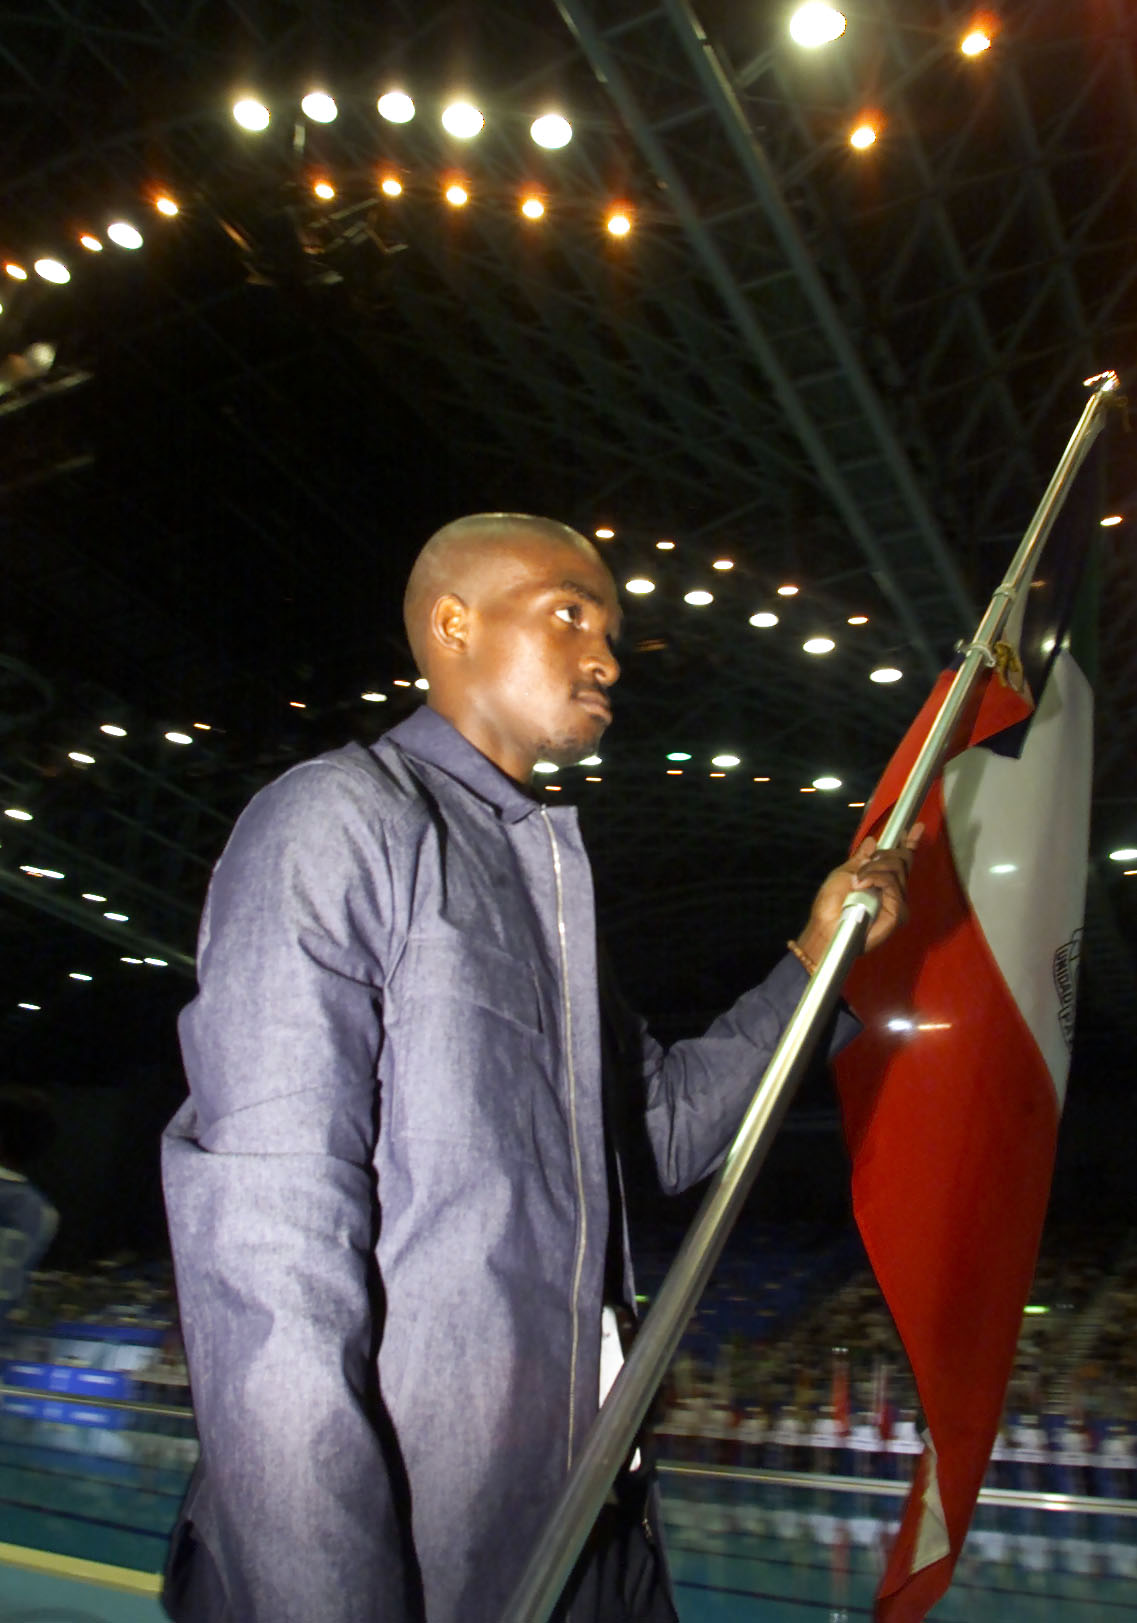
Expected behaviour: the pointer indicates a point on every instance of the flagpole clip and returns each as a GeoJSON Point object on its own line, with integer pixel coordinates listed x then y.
{"type": "Point", "coordinates": [964, 648]}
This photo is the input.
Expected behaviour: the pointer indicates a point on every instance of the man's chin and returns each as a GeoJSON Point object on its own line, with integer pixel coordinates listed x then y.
{"type": "Point", "coordinates": [571, 751]}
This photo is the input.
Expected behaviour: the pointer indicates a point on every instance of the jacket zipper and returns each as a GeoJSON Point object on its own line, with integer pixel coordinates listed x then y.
{"type": "Point", "coordinates": [566, 1002]}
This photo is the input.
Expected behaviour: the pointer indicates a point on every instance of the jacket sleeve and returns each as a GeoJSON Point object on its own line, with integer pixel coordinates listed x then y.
{"type": "Point", "coordinates": [695, 1093]}
{"type": "Point", "coordinates": [273, 1213]}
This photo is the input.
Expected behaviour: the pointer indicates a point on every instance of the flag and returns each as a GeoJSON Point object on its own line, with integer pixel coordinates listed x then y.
{"type": "Point", "coordinates": [952, 1094]}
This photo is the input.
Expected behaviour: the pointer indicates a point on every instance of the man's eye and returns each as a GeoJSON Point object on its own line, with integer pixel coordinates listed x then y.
{"type": "Point", "coordinates": [570, 613]}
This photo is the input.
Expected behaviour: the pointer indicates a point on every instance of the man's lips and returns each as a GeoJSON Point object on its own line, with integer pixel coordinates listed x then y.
{"type": "Point", "coordinates": [596, 702]}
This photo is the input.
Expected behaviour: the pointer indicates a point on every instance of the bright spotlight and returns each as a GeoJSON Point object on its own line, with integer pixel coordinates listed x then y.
{"type": "Point", "coordinates": [52, 270]}
{"type": "Point", "coordinates": [319, 107]}
{"type": "Point", "coordinates": [457, 196]}
{"type": "Point", "coordinates": [862, 137]}
{"type": "Point", "coordinates": [374, 697]}
{"type": "Point", "coordinates": [725, 760]}
{"type": "Point", "coordinates": [390, 187]}
{"type": "Point", "coordinates": [324, 189]}
{"type": "Point", "coordinates": [816, 24]}
{"type": "Point", "coordinates": [1125, 853]}
{"type": "Point", "coordinates": [885, 673]}
{"type": "Point", "coordinates": [92, 244]}
{"type": "Point", "coordinates": [763, 619]}
{"type": "Point", "coordinates": [619, 223]}
{"type": "Point", "coordinates": [818, 645]}
{"type": "Point", "coordinates": [1110, 520]}
{"type": "Point", "coordinates": [18, 814]}
{"type": "Point", "coordinates": [112, 730]}
{"type": "Point", "coordinates": [858, 620]}
{"type": "Point", "coordinates": [698, 598]}
{"type": "Point", "coordinates": [462, 120]}
{"type": "Point", "coordinates": [16, 272]}
{"type": "Point", "coordinates": [396, 107]}
{"type": "Point", "coordinates": [723, 563]}
{"type": "Point", "coordinates": [125, 235]}
{"type": "Point", "coordinates": [251, 114]}
{"type": "Point", "coordinates": [545, 766]}
{"type": "Point", "coordinates": [551, 131]}
{"type": "Point", "coordinates": [788, 591]}
{"type": "Point", "coordinates": [604, 533]}
{"type": "Point", "coordinates": [532, 208]}
{"type": "Point", "coordinates": [167, 206]}
{"type": "Point", "coordinates": [665, 546]}
{"type": "Point", "coordinates": [639, 585]}
{"type": "Point", "coordinates": [827, 782]}
{"type": "Point", "coordinates": [178, 738]}
{"type": "Point", "coordinates": [975, 42]}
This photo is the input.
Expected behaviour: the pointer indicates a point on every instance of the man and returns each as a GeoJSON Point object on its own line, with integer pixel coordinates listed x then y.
{"type": "Point", "coordinates": [395, 1192]}
{"type": "Point", "coordinates": [28, 1220]}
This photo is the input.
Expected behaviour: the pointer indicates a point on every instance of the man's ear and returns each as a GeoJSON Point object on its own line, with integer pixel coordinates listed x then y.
{"type": "Point", "coordinates": [450, 623]}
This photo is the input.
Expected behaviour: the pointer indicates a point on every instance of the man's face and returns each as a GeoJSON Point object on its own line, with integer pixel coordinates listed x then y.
{"type": "Point", "coordinates": [539, 656]}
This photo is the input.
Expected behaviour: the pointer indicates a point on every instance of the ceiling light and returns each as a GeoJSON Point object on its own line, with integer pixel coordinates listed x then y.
{"type": "Point", "coordinates": [251, 114]}
{"type": "Point", "coordinates": [725, 760]}
{"type": "Point", "coordinates": [788, 591]}
{"type": "Point", "coordinates": [678, 755]}
{"type": "Point", "coordinates": [93, 896]}
{"type": "Point", "coordinates": [324, 189]}
{"type": "Point", "coordinates": [553, 788]}
{"type": "Point", "coordinates": [640, 585]}
{"type": "Point", "coordinates": [422, 683]}
{"type": "Point", "coordinates": [665, 546]}
{"type": "Point", "coordinates": [319, 107]}
{"type": "Point", "coordinates": [462, 120]}
{"type": "Point", "coordinates": [816, 24]}
{"type": "Point", "coordinates": [856, 804]}
{"type": "Point", "coordinates": [457, 195]}
{"type": "Point", "coordinates": [166, 206]}
{"type": "Point", "coordinates": [118, 918]}
{"type": "Point", "coordinates": [603, 534]}
{"type": "Point", "coordinates": [1126, 853]}
{"type": "Point", "coordinates": [532, 208]}
{"type": "Point", "coordinates": [862, 137]}
{"type": "Point", "coordinates": [545, 766]}
{"type": "Point", "coordinates": [18, 815]}
{"type": "Point", "coordinates": [178, 738]}
{"type": "Point", "coordinates": [40, 873]}
{"type": "Point", "coordinates": [723, 563]}
{"type": "Point", "coordinates": [374, 698]}
{"type": "Point", "coordinates": [122, 232]}
{"type": "Point", "coordinates": [112, 731]}
{"type": "Point", "coordinates": [1108, 522]}
{"type": "Point", "coordinates": [32, 1008]}
{"type": "Point", "coordinates": [807, 789]}
{"type": "Point", "coordinates": [156, 963]}
{"type": "Point", "coordinates": [16, 272]}
{"type": "Point", "coordinates": [293, 704]}
{"type": "Point", "coordinates": [763, 618]}
{"type": "Point", "coordinates": [77, 975]}
{"type": "Point", "coordinates": [761, 780]}
{"type": "Point", "coordinates": [698, 598]}
{"type": "Point", "coordinates": [594, 780]}
{"type": "Point", "coordinates": [818, 645]}
{"type": "Point", "coordinates": [885, 673]}
{"type": "Point", "coordinates": [619, 223]}
{"type": "Point", "coordinates": [674, 771]}
{"type": "Point", "coordinates": [128, 960]}
{"type": "Point", "coordinates": [396, 107]}
{"type": "Point", "coordinates": [975, 42]}
{"type": "Point", "coordinates": [827, 782]}
{"type": "Point", "coordinates": [92, 244]}
{"type": "Point", "coordinates": [52, 270]}
{"type": "Point", "coordinates": [390, 187]}
{"type": "Point", "coordinates": [203, 726]}
{"type": "Point", "coordinates": [716, 774]}
{"type": "Point", "coordinates": [858, 620]}
{"type": "Point", "coordinates": [591, 760]}
{"type": "Point", "coordinates": [80, 758]}
{"type": "Point", "coordinates": [401, 682]}
{"type": "Point", "coordinates": [551, 131]}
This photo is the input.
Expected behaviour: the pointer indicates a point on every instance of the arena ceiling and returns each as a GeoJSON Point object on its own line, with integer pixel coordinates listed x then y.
{"type": "Point", "coordinates": [847, 370]}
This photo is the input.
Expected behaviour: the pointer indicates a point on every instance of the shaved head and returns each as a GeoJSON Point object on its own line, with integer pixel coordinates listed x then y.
{"type": "Point", "coordinates": [461, 558]}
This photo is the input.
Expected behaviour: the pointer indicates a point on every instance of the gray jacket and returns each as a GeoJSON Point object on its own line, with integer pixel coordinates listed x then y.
{"type": "Point", "coordinates": [387, 1192]}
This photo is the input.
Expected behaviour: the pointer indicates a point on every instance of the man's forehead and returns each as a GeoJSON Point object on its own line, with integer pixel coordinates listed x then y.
{"type": "Point", "coordinates": [545, 567]}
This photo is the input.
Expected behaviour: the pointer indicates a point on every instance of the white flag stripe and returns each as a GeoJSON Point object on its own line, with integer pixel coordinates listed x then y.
{"type": "Point", "coordinates": [1019, 832]}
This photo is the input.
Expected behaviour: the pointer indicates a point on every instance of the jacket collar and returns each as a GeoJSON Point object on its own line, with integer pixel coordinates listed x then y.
{"type": "Point", "coordinates": [429, 737]}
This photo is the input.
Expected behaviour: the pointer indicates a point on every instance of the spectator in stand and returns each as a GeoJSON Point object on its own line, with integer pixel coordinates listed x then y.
{"type": "Point", "coordinates": [28, 1220]}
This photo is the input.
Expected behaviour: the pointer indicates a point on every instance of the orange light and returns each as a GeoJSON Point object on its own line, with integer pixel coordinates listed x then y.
{"type": "Point", "coordinates": [457, 196]}
{"type": "Point", "coordinates": [391, 187]}
{"type": "Point", "coordinates": [761, 780]}
{"type": "Point", "coordinates": [532, 208]}
{"type": "Point", "coordinates": [16, 272]}
{"type": "Point", "coordinates": [975, 42]}
{"type": "Point", "coordinates": [324, 189]}
{"type": "Point", "coordinates": [807, 789]}
{"type": "Point", "coordinates": [717, 774]}
{"type": "Point", "coordinates": [619, 222]}
{"type": "Point", "coordinates": [166, 205]}
{"type": "Point", "coordinates": [862, 137]}
{"type": "Point", "coordinates": [674, 771]}
{"type": "Point", "coordinates": [92, 244]}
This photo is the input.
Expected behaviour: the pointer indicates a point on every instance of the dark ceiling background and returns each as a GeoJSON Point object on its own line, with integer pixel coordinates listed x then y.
{"type": "Point", "coordinates": [850, 370]}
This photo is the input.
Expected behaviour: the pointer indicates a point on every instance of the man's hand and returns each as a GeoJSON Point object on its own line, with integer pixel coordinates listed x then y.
{"type": "Point", "coordinates": [866, 869]}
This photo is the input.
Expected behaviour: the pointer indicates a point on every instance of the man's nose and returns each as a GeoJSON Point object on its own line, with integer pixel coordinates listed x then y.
{"type": "Point", "coordinates": [603, 665]}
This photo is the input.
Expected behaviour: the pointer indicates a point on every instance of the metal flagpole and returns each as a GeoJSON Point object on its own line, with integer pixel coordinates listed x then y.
{"type": "Point", "coordinates": [610, 1439]}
